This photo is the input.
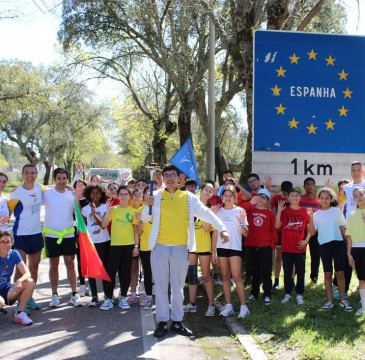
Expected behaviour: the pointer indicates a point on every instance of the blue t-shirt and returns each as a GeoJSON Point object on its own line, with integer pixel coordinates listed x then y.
{"type": "Point", "coordinates": [7, 266]}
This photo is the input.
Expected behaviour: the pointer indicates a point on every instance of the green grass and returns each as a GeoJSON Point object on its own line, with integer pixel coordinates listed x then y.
{"type": "Point", "coordinates": [306, 330]}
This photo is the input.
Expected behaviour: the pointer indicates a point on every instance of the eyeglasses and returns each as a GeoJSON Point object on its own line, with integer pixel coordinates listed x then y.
{"type": "Point", "coordinates": [5, 242]}
{"type": "Point", "coordinates": [262, 196]}
{"type": "Point", "coordinates": [252, 181]}
{"type": "Point", "coordinates": [170, 176]}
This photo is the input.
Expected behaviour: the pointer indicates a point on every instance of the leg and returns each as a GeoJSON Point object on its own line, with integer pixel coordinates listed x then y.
{"type": "Point", "coordinates": [340, 276]}
{"type": "Point", "coordinates": [300, 270]}
{"type": "Point", "coordinates": [24, 294]}
{"type": "Point", "coordinates": [34, 260]}
{"type": "Point", "coordinates": [315, 257]}
{"type": "Point", "coordinates": [126, 265]}
{"type": "Point", "coordinates": [18, 274]}
{"type": "Point", "coordinates": [192, 277]}
{"type": "Point", "coordinates": [235, 263]}
{"type": "Point", "coordinates": [71, 271]}
{"type": "Point", "coordinates": [179, 262]}
{"type": "Point", "coordinates": [328, 285]}
{"type": "Point", "coordinates": [53, 273]}
{"type": "Point", "coordinates": [81, 278]}
{"type": "Point", "coordinates": [205, 267]}
{"type": "Point", "coordinates": [134, 275]}
{"type": "Point", "coordinates": [226, 278]}
{"type": "Point", "coordinates": [147, 272]}
{"type": "Point", "coordinates": [288, 268]}
{"type": "Point", "coordinates": [265, 262]}
{"type": "Point", "coordinates": [103, 251]}
{"type": "Point", "coordinates": [113, 265]}
{"type": "Point", "coordinates": [252, 252]}
{"type": "Point", "coordinates": [277, 264]}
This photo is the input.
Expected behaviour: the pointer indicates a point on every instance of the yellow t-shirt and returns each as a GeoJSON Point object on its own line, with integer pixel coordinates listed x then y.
{"type": "Point", "coordinates": [356, 226]}
{"type": "Point", "coordinates": [174, 221]}
{"type": "Point", "coordinates": [202, 237]}
{"type": "Point", "coordinates": [143, 239]}
{"type": "Point", "coordinates": [122, 232]}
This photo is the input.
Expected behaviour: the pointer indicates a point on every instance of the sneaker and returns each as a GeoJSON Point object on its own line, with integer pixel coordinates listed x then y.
{"type": "Point", "coordinates": [54, 302]}
{"type": "Point", "coordinates": [315, 281]}
{"type": "Point", "coordinates": [22, 318]}
{"type": "Point", "coordinates": [83, 291]}
{"type": "Point", "coordinates": [161, 329]}
{"type": "Point", "coordinates": [3, 311]}
{"type": "Point", "coordinates": [217, 280]}
{"type": "Point", "coordinates": [33, 305]}
{"type": "Point", "coordinates": [75, 300]}
{"type": "Point", "coordinates": [190, 308]}
{"type": "Point", "coordinates": [360, 312]}
{"type": "Point", "coordinates": [336, 296]}
{"type": "Point", "coordinates": [227, 310]}
{"type": "Point", "coordinates": [25, 310]}
{"type": "Point", "coordinates": [107, 304]}
{"type": "Point", "coordinates": [243, 312]}
{"type": "Point", "coordinates": [251, 298]}
{"type": "Point", "coordinates": [123, 304]}
{"type": "Point", "coordinates": [345, 305]}
{"type": "Point", "coordinates": [328, 306]}
{"type": "Point", "coordinates": [210, 311]}
{"type": "Point", "coordinates": [267, 301]}
{"type": "Point", "coordinates": [144, 301]}
{"type": "Point", "coordinates": [178, 327]}
{"type": "Point", "coordinates": [334, 288]}
{"type": "Point", "coordinates": [300, 300]}
{"type": "Point", "coordinates": [148, 305]}
{"type": "Point", "coordinates": [94, 302]}
{"type": "Point", "coordinates": [132, 299]}
{"type": "Point", "coordinates": [286, 299]}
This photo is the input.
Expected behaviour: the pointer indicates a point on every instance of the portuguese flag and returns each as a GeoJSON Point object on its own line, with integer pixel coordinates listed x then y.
{"type": "Point", "coordinates": [91, 265]}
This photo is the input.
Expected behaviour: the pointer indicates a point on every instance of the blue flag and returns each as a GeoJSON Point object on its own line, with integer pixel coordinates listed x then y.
{"type": "Point", "coordinates": [309, 92]}
{"type": "Point", "coordinates": [184, 159]}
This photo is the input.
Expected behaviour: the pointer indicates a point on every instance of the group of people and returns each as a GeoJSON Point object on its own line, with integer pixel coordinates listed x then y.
{"type": "Point", "coordinates": [172, 229]}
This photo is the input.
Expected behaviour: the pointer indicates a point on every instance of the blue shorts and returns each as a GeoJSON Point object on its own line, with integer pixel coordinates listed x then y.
{"type": "Point", "coordinates": [30, 244]}
{"type": "Point", "coordinates": [4, 294]}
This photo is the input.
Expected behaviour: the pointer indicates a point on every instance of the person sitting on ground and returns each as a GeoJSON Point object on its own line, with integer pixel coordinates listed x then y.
{"type": "Point", "coordinates": [23, 288]}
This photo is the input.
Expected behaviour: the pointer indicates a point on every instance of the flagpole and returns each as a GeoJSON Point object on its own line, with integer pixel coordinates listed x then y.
{"type": "Point", "coordinates": [211, 100]}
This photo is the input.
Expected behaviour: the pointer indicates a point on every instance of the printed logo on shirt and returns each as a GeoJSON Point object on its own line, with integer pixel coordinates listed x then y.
{"type": "Point", "coordinates": [129, 217]}
{"type": "Point", "coordinates": [257, 221]}
{"type": "Point", "coordinates": [198, 224]}
{"type": "Point", "coordinates": [34, 196]}
{"type": "Point", "coordinates": [294, 222]}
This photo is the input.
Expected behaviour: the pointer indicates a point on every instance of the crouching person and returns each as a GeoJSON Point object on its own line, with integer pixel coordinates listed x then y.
{"type": "Point", "coordinates": [23, 288]}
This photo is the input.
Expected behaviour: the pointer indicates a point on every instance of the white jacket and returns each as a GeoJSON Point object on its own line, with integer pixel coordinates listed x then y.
{"type": "Point", "coordinates": [195, 208]}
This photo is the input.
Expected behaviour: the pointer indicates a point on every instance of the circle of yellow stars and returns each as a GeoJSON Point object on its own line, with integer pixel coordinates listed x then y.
{"type": "Point", "coordinates": [312, 55]}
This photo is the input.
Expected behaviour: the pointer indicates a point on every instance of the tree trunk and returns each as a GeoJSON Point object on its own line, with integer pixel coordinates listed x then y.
{"type": "Point", "coordinates": [48, 167]}
{"type": "Point", "coordinates": [184, 119]}
{"type": "Point", "coordinates": [220, 162]}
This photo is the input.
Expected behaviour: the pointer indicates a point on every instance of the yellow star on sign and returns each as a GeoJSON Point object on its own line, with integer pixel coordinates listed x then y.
{"type": "Point", "coordinates": [343, 111]}
{"type": "Point", "coordinates": [294, 59]}
{"type": "Point", "coordinates": [293, 123]}
{"type": "Point", "coordinates": [347, 93]}
{"type": "Point", "coordinates": [330, 124]}
{"type": "Point", "coordinates": [276, 91]}
{"type": "Point", "coordinates": [281, 72]}
{"type": "Point", "coordinates": [330, 61]}
{"type": "Point", "coordinates": [280, 109]}
{"type": "Point", "coordinates": [312, 129]}
{"type": "Point", "coordinates": [343, 75]}
{"type": "Point", "coordinates": [312, 55]}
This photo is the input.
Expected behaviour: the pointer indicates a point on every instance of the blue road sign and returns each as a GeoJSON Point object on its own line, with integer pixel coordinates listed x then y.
{"type": "Point", "coordinates": [309, 92]}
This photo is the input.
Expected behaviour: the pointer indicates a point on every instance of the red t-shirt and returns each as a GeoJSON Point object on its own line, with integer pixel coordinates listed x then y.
{"type": "Point", "coordinates": [261, 227]}
{"type": "Point", "coordinates": [306, 202]}
{"type": "Point", "coordinates": [115, 202]}
{"type": "Point", "coordinates": [294, 229]}
{"type": "Point", "coordinates": [274, 201]}
{"type": "Point", "coordinates": [215, 200]}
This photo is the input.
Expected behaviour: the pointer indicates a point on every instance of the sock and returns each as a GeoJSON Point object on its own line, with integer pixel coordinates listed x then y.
{"type": "Point", "coordinates": [192, 304]}
{"type": "Point", "coordinates": [149, 297]}
{"type": "Point", "coordinates": [55, 294]}
{"type": "Point", "coordinates": [243, 306]}
{"type": "Point", "coordinates": [133, 294]}
{"type": "Point", "coordinates": [362, 296]}
{"type": "Point", "coordinates": [74, 293]}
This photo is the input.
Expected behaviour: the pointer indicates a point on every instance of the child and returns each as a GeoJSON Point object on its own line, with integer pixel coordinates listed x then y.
{"type": "Point", "coordinates": [123, 247]}
{"type": "Point", "coordinates": [283, 196]}
{"type": "Point", "coordinates": [229, 254]}
{"type": "Point", "coordinates": [94, 213]}
{"type": "Point", "coordinates": [294, 223]}
{"type": "Point", "coordinates": [330, 224]}
{"type": "Point", "coordinates": [260, 242]}
{"type": "Point", "coordinates": [355, 233]}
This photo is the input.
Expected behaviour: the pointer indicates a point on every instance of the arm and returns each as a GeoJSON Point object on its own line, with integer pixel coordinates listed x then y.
{"type": "Point", "coordinates": [243, 221]}
{"type": "Point", "coordinates": [311, 228]}
{"type": "Point", "coordinates": [207, 227]}
{"type": "Point", "coordinates": [281, 205]}
{"type": "Point", "coordinates": [105, 222]}
{"type": "Point", "coordinates": [93, 213]}
{"type": "Point", "coordinates": [304, 242]}
{"type": "Point", "coordinates": [246, 195]}
{"type": "Point", "coordinates": [136, 241]}
{"type": "Point", "coordinates": [145, 216]}
{"type": "Point", "coordinates": [214, 247]}
{"type": "Point", "coordinates": [22, 268]}
{"type": "Point", "coordinates": [349, 255]}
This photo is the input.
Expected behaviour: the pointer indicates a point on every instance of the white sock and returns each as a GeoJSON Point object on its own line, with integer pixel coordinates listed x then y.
{"type": "Point", "coordinates": [243, 306]}
{"type": "Point", "coordinates": [362, 296]}
{"type": "Point", "coordinates": [149, 297]}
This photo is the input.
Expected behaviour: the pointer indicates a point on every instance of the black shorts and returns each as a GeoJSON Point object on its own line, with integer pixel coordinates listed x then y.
{"type": "Point", "coordinates": [358, 253]}
{"type": "Point", "coordinates": [67, 247]}
{"type": "Point", "coordinates": [336, 251]}
{"type": "Point", "coordinates": [228, 252]}
{"type": "Point", "coordinates": [207, 253]}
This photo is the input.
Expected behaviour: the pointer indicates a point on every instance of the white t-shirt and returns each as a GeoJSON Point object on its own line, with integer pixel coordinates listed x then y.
{"type": "Point", "coordinates": [4, 210]}
{"type": "Point", "coordinates": [348, 189]}
{"type": "Point", "coordinates": [27, 210]}
{"type": "Point", "coordinates": [97, 234]}
{"type": "Point", "coordinates": [59, 209]}
{"type": "Point", "coordinates": [328, 223]}
{"type": "Point", "coordinates": [233, 227]}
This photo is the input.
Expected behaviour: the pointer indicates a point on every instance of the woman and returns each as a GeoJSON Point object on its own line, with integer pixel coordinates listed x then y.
{"type": "Point", "coordinates": [4, 210]}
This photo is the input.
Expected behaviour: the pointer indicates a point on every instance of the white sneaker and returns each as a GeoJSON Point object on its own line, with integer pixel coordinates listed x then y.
{"type": "Point", "coordinates": [300, 300]}
{"type": "Point", "coordinates": [227, 310]}
{"type": "Point", "coordinates": [267, 301]}
{"type": "Point", "coordinates": [190, 308]}
{"type": "Point", "coordinates": [22, 318]}
{"type": "Point", "coordinates": [107, 304]}
{"type": "Point", "coordinates": [243, 312]}
{"type": "Point", "coordinates": [83, 291]}
{"type": "Point", "coordinates": [360, 312]}
{"type": "Point", "coordinates": [210, 311]}
{"type": "Point", "coordinates": [54, 302]}
{"type": "Point", "coordinates": [123, 303]}
{"type": "Point", "coordinates": [75, 300]}
{"type": "Point", "coordinates": [286, 299]}
{"type": "Point", "coordinates": [148, 305]}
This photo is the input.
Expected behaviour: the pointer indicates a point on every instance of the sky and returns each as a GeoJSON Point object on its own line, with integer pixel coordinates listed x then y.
{"type": "Point", "coordinates": [33, 36]}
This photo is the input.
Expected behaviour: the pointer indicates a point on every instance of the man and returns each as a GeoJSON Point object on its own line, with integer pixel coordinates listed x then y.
{"type": "Point", "coordinates": [227, 174]}
{"type": "Point", "coordinates": [172, 235]}
{"type": "Point", "coordinates": [190, 185]}
{"type": "Point", "coordinates": [254, 183]}
{"type": "Point", "coordinates": [158, 179]}
{"type": "Point", "coordinates": [59, 234]}
{"type": "Point", "coordinates": [26, 203]}
{"type": "Point", "coordinates": [141, 184]}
